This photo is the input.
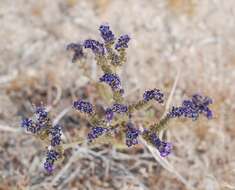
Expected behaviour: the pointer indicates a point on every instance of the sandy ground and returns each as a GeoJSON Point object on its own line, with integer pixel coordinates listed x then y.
{"type": "Point", "coordinates": [192, 38]}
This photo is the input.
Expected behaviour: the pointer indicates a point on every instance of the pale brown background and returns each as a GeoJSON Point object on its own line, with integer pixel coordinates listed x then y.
{"type": "Point", "coordinates": [194, 38]}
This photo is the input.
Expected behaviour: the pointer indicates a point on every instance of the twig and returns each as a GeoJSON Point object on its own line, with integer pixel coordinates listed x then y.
{"type": "Point", "coordinates": [9, 129]}
{"type": "Point", "coordinates": [65, 168]}
{"type": "Point", "coordinates": [73, 144]}
{"type": "Point", "coordinates": [61, 115]}
{"type": "Point", "coordinates": [58, 95]}
{"type": "Point", "coordinates": [169, 100]}
{"type": "Point", "coordinates": [71, 177]}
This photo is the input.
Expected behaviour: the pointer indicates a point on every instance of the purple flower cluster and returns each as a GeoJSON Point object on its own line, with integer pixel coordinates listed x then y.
{"type": "Point", "coordinates": [119, 108]}
{"type": "Point", "coordinates": [56, 132]}
{"type": "Point", "coordinates": [122, 42]}
{"type": "Point", "coordinates": [131, 134]}
{"type": "Point", "coordinates": [112, 80]}
{"type": "Point", "coordinates": [155, 94]}
{"type": "Point", "coordinates": [41, 112]}
{"type": "Point", "coordinates": [192, 108]}
{"type": "Point", "coordinates": [109, 114]}
{"type": "Point", "coordinates": [78, 51]}
{"type": "Point", "coordinates": [29, 125]}
{"type": "Point", "coordinates": [26, 123]}
{"type": "Point", "coordinates": [116, 108]}
{"type": "Point", "coordinates": [106, 33]}
{"type": "Point", "coordinates": [96, 132]}
{"type": "Point", "coordinates": [51, 157]}
{"type": "Point", "coordinates": [52, 154]}
{"type": "Point", "coordinates": [40, 123]}
{"type": "Point", "coordinates": [83, 106]}
{"type": "Point", "coordinates": [164, 148]}
{"type": "Point", "coordinates": [96, 47]}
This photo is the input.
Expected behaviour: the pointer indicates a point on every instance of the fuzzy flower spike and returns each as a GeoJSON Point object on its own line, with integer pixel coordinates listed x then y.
{"type": "Point", "coordinates": [39, 123]}
{"type": "Point", "coordinates": [163, 147]}
{"type": "Point", "coordinates": [132, 134]}
{"type": "Point", "coordinates": [51, 157]}
{"type": "Point", "coordinates": [96, 47]}
{"type": "Point", "coordinates": [95, 132]}
{"type": "Point", "coordinates": [154, 94]}
{"type": "Point", "coordinates": [192, 108]}
{"type": "Point", "coordinates": [112, 80]}
{"type": "Point", "coordinates": [83, 106]}
{"type": "Point", "coordinates": [106, 33]}
{"type": "Point", "coordinates": [122, 42]}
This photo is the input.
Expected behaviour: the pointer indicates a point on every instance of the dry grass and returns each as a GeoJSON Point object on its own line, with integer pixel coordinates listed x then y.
{"type": "Point", "coordinates": [187, 7]}
{"type": "Point", "coordinates": [196, 36]}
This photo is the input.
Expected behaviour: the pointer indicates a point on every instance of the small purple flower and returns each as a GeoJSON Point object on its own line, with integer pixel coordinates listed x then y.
{"type": "Point", "coordinates": [131, 135]}
{"type": "Point", "coordinates": [96, 132]}
{"type": "Point", "coordinates": [109, 114]}
{"type": "Point", "coordinates": [106, 33]}
{"type": "Point", "coordinates": [164, 148]}
{"type": "Point", "coordinates": [208, 113]}
{"type": "Point", "coordinates": [115, 108]}
{"type": "Point", "coordinates": [112, 80]}
{"type": "Point", "coordinates": [122, 42]}
{"type": "Point", "coordinates": [155, 94]}
{"type": "Point", "coordinates": [78, 51]}
{"type": "Point", "coordinates": [41, 112]}
{"type": "Point", "coordinates": [48, 166]}
{"type": "Point", "coordinates": [119, 108]}
{"type": "Point", "coordinates": [55, 132]}
{"type": "Point", "coordinates": [40, 122]}
{"type": "Point", "coordinates": [192, 108]}
{"type": "Point", "coordinates": [31, 126]}
{"type": "Point", "coordinates": [83, 106]}
{"type": "Point", "coordinates": [202, 104]}
{"type": "Point", "coordinates": [27, 123]}
{"type": "Point", "coordinates": [176, 112]}
{"type": "Point", "coordinates": [51, 157]}
{"type": "Point", "coordinates": [95, 46]}
{"type": "Point", "coordinates": [155, 139]}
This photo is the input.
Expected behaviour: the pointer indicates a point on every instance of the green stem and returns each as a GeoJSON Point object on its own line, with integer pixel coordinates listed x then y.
{"type": "Point", "coordinates": [161, 125]}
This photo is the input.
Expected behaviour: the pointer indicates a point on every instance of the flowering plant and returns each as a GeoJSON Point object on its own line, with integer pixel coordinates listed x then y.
{"type": "Point", "coordinates": [109, 55]}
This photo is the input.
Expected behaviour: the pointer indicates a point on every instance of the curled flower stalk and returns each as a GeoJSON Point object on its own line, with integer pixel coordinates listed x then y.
{"type": "Point", "coordinates": [83, 106]}
{"type": "Point", "coordinates": [193, 108]}
{"type": "Point", "coordinates": [154, 94]}
{"type": "Point", "coordinates": [112, 80]}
